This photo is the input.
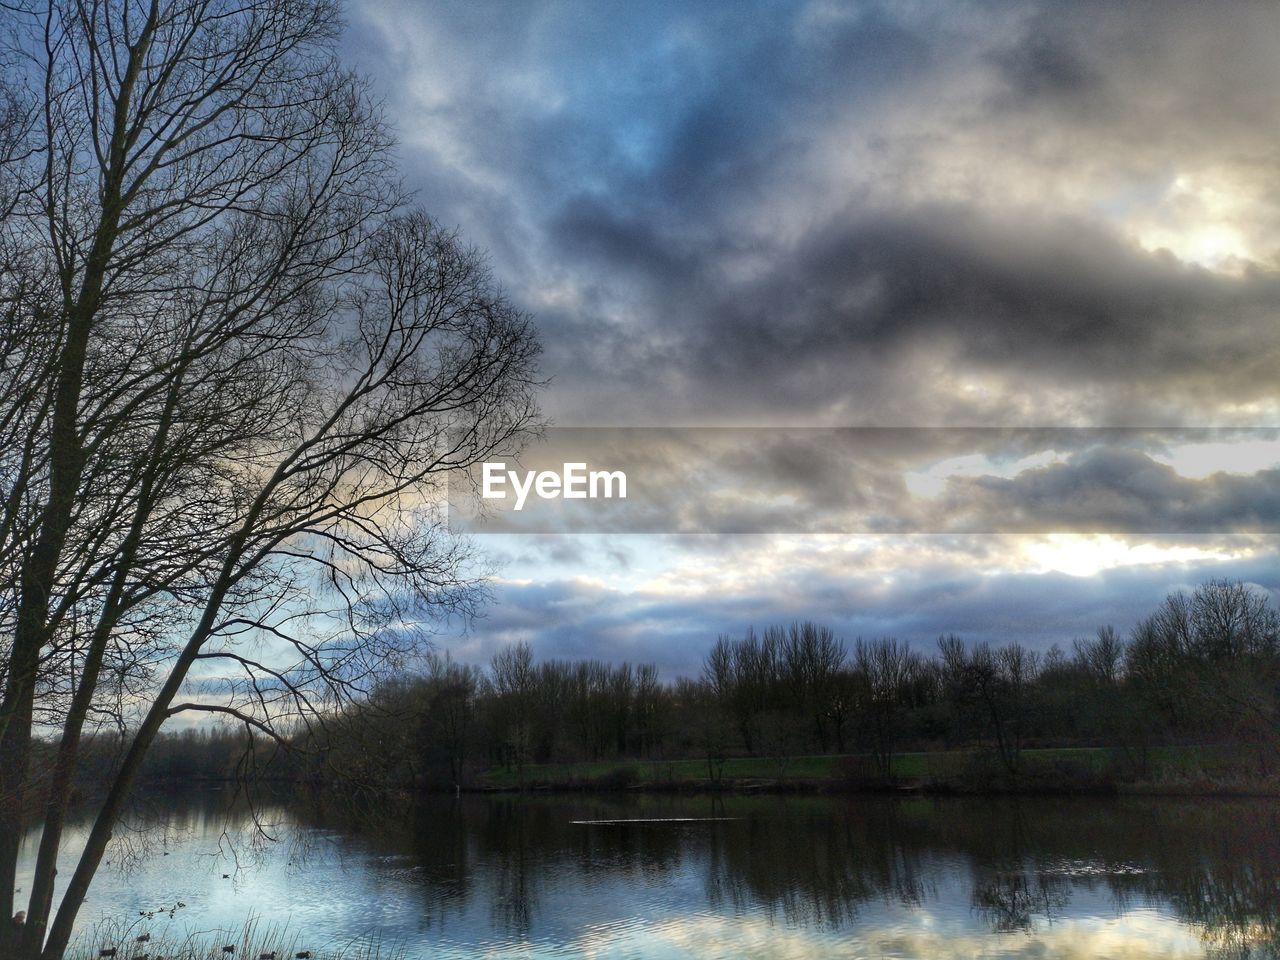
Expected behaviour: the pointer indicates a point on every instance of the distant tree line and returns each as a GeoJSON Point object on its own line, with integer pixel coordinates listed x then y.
{"type": "Point", "coordinates": [195, 755]}
{"type": "Point", "coordinates": [1203, 669]}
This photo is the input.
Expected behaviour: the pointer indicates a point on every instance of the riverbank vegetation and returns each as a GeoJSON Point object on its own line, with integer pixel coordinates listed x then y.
{"type": "Point", "coordinates": [133, 938]}
{"type": "Point", "coordinates": [1187, 702]}
{"type": "Point", "coordinates": [1189, 699]}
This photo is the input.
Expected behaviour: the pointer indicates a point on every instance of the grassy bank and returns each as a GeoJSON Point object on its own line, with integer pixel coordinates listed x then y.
{"type": "Point", "coordinates": [151, 935]}
{"type": "Point", "coordinates": [1171, 770]}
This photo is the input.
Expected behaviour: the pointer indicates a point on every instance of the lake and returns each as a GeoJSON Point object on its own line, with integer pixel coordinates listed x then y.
{"type": "Point", "coordinates": [744, 876]}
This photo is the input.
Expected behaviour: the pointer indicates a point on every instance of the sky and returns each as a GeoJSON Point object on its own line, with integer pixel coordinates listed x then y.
{"type": "Point", "coordinates": [817, 214]}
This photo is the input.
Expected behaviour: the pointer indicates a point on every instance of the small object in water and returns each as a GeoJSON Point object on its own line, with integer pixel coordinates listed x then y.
{"type": "Point", "coordinates": [142, 939]}
{"type": "Point", "coordinates": [226, 876]}
{"type": "Point", "coordinates": [267, 956]}
{"type": "Point", "coordinates": [107, 952]}
{"type": "Point", "coordinates": [228, 949]}
{"type": "Point", "coordinates": [303, 955]}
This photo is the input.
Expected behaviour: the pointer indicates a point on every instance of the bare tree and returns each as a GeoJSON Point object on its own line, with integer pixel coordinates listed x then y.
{"type": "Point", "coordinates": [1206, 664]}
{"type": "Point", "coordinates": [756, 671]}
{"type": "Point", "coordinates": [1102, 659]}
{"type": "Point", "coordinates": [236, 369]}
{"type": "Point", "coordinates": [449, 714]}
{"type": "Point", "coordinates": [997, 683]}
{"type": "Point", "coordinates": [884, 669]}
{"type": "Point", "coordinates": [648, 708]}
{"type": "Point", "coordinates": [1019, 669]}
{"type": "Point", "coordinates": [709, 719]}
{"type": "Point", "coordinates": [513, 682]}
{"type": "Point", "coordinates": [812, 658]}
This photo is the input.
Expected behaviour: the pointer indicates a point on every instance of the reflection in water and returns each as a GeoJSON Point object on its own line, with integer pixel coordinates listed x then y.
{"type": "Point", "coordinates": [1015, 901]}
{"type": "Point", "coordinates": [738, 876]}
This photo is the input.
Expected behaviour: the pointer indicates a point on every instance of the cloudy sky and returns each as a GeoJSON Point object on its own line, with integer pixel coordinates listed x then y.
{"type": "Point", "coordinates": [853, 214]}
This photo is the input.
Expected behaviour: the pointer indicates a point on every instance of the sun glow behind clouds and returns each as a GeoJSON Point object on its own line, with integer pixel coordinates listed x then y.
{"type": "Point", "coordinates": [678, 568]}
{"type": "Point", "coordinates": [1200, 460]}
{"type": "Point", "coordinates": [1085, 555]}
{"type": "Point", "coordinates": [1200, 220]}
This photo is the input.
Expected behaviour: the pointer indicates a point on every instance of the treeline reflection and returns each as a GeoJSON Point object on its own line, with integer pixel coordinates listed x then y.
{"type": "Point", "coordinates": [1000, 866]}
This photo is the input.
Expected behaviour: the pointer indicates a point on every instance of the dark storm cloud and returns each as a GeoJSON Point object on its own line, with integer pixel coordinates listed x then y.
{"type": "Point", "coordinates": [1117, 490]}
{"type": "Point", "coordinates": [1067, 301]}
{"type": "Point", "coordinates": [764, 213]}
{"type": "Point", "coordinates": [1047, 66]}
{"type": "Point", "coordinates": [826, 212]}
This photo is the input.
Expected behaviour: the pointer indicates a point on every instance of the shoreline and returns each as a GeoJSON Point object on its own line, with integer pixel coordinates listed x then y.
{"type": "Point", "coordinates": [1182, 771]}
{"type": "Point", "coordinates": [826, 788]}
{"type": "Point", "coordinates": [1071, 771]}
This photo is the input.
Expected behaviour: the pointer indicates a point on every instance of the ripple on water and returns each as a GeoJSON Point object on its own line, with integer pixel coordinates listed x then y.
{"type": "Point", "coordinates": [653, 878]}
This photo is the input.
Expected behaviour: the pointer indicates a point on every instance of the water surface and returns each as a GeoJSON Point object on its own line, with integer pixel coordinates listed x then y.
{"type": "Point", "coordinates": [676, 876]}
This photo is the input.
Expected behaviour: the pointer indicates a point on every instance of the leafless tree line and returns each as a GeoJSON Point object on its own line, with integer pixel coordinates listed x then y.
{"type": "Point", "coordinates": [441, 726]}
{"type": "Point", "coordinates": [235, 364]}
{"type": "Point", "coordinates": [1203, 669]}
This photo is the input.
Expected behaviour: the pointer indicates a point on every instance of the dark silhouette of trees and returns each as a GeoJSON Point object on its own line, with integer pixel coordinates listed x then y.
{"type": "Point", "coordinates": [515, 695]}
{"type": "Point", "coordinates": [648, 712]}
{"type": "Point", "coordinates": [992, 686]}
{"type": "Point", "coordinates": [448, 716]}
{"type": "Point", "coordinates": [812, 658]}
{"type": "Point", "coordinates": [1206, 664]}
{"type": "Point", "coordinates": [236, 367]}
{"type": "Point", "coordinates": [883, 669]}
{"type": "Point", "coordinates": [789, 691]}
